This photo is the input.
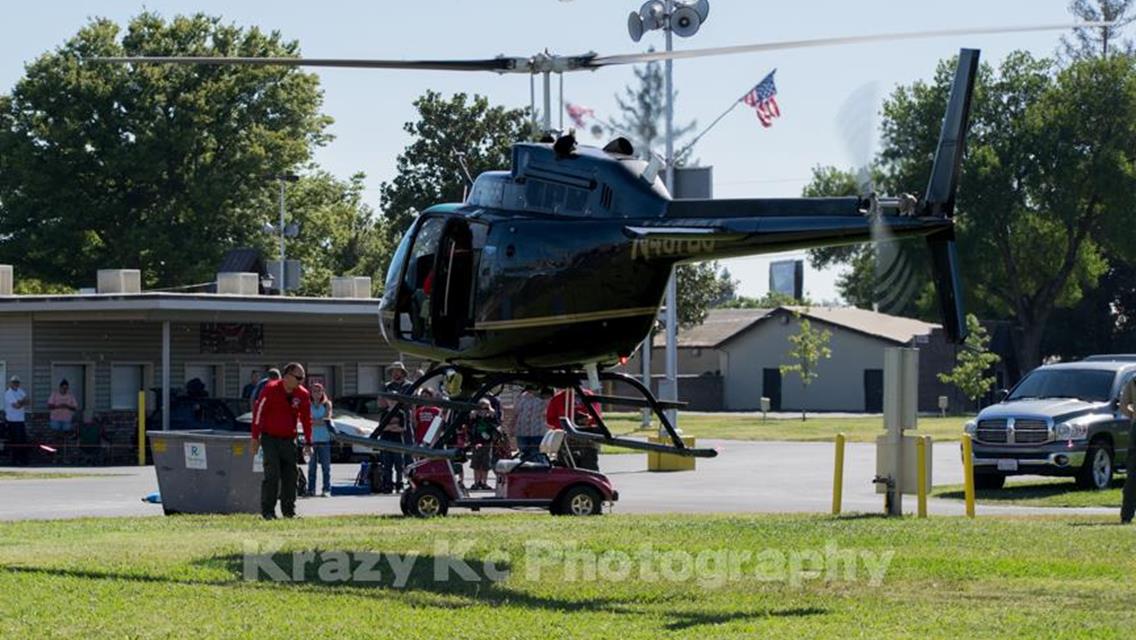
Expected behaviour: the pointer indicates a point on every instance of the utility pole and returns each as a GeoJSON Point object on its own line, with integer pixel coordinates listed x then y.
{"type": "Point", "coordinates": [672, 286]}
{"type": "Point", "coordinates": [282, 178]}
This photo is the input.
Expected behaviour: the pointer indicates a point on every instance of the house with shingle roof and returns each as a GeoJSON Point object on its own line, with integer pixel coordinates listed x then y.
{"type": "Point", "coordinates": [733, 359]}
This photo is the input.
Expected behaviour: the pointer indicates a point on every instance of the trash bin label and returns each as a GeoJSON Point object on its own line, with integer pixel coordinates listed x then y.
{"type": "Point", "coordinates": [158, 446]}
{"type": "Point", "coordinates": [195, 456]}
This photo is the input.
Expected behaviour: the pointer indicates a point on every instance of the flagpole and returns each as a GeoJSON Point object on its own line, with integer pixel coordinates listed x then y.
{"type": "Point", "coordinates": [708, 128]}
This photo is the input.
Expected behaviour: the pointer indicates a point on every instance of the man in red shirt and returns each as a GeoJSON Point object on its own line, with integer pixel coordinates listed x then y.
{"type": "Point", "coordinates": [424, 416]}
{"type": "Point", "coordinates": [279, 407]}
{"type": "Point", "coordinates": [586, 453]}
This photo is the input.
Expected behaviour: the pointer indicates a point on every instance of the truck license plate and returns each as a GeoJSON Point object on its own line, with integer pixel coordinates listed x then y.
{"type": "Point", "coordinates": [1007, 464]}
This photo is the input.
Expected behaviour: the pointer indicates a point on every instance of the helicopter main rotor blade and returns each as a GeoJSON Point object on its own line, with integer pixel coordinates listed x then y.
{"type": "Point", "coordinates": [499, 65]}
{"type": "Point", "coordinates": [636, 58]}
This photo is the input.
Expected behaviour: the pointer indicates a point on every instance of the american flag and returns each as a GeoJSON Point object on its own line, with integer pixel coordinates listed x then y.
{"type": "Point", "coordinates": [577, 113]}
{"type": "Point", "coordinates": [763, 100]}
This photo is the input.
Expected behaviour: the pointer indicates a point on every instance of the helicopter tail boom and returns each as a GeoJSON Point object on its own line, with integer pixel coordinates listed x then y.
{"type": "Point", "coordinates": [694, 230]}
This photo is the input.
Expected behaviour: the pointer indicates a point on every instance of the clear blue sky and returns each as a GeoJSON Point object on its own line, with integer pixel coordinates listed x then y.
{"type": "Point", "coordinates": [369, 107]}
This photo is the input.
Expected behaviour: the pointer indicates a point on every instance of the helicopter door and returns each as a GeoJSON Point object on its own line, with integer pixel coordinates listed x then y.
{"type": "Point", "coordinates": [451, 307]}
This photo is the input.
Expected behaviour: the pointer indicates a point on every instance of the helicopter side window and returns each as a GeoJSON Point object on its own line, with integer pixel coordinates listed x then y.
{"type": "Point", "coordinates": [554, 197]}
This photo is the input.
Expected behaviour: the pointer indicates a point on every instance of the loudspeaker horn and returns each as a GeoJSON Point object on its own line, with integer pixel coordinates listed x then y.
{"type": "Point", "coordinates": [685, 22]}
{"type": "Point", "coordinates": [635, 26]}
{"type": "Point", "coordinates": [653, 13]}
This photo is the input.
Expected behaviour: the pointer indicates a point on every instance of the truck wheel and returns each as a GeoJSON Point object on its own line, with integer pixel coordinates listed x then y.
{"type": "Point", "coordinates": [989, 481]}
{"type": "Point", "coordinates": [427, 502]}
{"type": "Point", "coordinates": [1096, 472]}
{"type": "Point", "coordinates": [580, 501]}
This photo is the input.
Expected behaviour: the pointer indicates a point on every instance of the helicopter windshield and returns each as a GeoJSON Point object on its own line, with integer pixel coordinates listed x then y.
{"type": "Point", "coordinates": [390, 285]}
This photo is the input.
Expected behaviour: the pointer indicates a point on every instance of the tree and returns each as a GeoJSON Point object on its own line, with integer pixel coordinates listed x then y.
{"type": "Point", "coordinates": [807, 347]}
{"type": "Point", "coordinates": [972, 363]}
{"type": "Point", "coordinates": [430, 169]}
{"type": "Point", "coordinates": [148, 166]}
{"type": "Point", "coordinates": [770, 300]}
{"type": "Point", "coordinates": [1046, 188]}
{"type": "Point", "coordinates": [643, 111]}
{"type": "Point", "coordinates": [700, 287]}
{"type": "Point", "coordinates": [339, 233]}
{"type": "Point", "coordinates": [1100, 41]}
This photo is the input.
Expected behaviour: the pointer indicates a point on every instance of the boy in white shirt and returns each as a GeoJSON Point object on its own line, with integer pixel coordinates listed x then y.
{"type": "Point", "coordinates": [15, 414]}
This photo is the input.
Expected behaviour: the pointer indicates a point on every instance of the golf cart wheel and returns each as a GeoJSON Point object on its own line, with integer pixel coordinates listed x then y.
{"type": "Point", "coordinates": [580, 501]}
{"type": "Point", "coordinates": [427, 502]}
{"type": "Point", "coordinates": [989, 481]}
{"type": "Point", "coordinates": [1096, 472]}
{"type": "Point", "coordinates": [404, 503]}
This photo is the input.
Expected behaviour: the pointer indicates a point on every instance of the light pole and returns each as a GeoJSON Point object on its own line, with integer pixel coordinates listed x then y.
{"type": "Point", "coordinates": [282, 178]}
{"type": "Point", "coordinates": [685, 19]}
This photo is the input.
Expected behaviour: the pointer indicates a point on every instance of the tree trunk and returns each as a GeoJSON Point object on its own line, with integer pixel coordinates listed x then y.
{"type": "Point", "coordinates": [1029, 349]}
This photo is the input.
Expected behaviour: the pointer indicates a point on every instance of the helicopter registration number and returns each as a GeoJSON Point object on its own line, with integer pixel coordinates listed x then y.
{"type": "Point", "coordinates": [647, 248]}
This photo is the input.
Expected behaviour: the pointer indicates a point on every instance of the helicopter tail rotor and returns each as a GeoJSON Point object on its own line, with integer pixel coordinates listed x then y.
{"type": "Point", "coordinates": [939, 200]}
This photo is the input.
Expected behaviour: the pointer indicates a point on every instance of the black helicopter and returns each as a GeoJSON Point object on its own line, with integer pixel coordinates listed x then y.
{"type": "Point", "coordinates": [558, 266]}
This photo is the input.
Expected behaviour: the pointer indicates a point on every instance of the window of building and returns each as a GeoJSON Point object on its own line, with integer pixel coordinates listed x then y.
{"type": "Point", "coordinates": [126, 380]}
{"type": "Point", "coordinates": [210, 375]}
{"type": "Point", "coordinates": [370, 378]}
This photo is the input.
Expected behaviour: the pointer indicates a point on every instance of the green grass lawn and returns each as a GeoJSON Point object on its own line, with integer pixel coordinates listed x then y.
{"type": "Point", "coordinates": [1054, 492]}
{"type": "Point", "coordinates": [938, 578]}
{"type": "Point", "coordinates": [816, 428]}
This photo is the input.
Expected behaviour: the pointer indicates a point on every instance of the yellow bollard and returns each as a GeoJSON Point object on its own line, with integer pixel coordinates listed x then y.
{"type": "Point", "coordinates": [968, 474]}
{"type": "Point", "coordinates": [838, 475]}
{"type": "Point", "coordinates": [141, 428]}
{"type": "Point", "coordinates": [921, 462]}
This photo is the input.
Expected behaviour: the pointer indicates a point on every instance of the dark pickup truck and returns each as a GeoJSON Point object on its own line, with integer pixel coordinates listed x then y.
{"type": "Point", "coordinates": [1069, 419]}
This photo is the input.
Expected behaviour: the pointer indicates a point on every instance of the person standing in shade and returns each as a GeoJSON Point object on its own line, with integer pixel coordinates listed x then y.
{"type": "Point", "coordinates": [528, 424]}
{"type": "Point", "coordinates": [270, 375]}
{"type": "Point", "coordinates": [398, 382]}
{"type": "Point", "coordinates": [321, 441]}
{"type": "Point", "coordinates": [280, 405]}
{"type": "Point", "coordinates": [15, 414]}
{"type": "Point", "coordinates": [63, 407]}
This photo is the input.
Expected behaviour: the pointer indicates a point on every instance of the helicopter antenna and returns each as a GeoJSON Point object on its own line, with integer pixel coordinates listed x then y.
{"type": "Point", "coordinates": [465, 173]}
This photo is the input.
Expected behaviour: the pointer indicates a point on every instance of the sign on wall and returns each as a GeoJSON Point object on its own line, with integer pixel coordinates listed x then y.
{"type": "Point", "coordinates": [227, 337]}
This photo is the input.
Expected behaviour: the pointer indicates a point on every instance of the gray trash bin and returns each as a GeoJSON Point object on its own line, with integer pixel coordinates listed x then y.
{"type": "Point", "coordinates": [206, 471]}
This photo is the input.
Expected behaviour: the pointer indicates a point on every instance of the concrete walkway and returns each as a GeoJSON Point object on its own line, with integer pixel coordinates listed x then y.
{"type": "Point", "coordinates": [747, 477]}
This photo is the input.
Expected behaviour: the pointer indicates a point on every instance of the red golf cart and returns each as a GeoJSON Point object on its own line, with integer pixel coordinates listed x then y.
{"type": "Point", "coordinates": [548, 481]}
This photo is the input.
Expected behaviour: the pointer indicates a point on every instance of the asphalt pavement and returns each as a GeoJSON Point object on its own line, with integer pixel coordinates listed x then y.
{"type": "Point", "coordinates": [746, 477]}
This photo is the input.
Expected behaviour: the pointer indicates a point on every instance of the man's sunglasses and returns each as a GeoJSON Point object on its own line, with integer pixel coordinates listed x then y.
{"type": "Point", "coordinates": [298, 378]}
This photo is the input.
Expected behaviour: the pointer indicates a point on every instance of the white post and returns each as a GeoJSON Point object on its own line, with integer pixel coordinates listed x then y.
{"type": "Point", "coordinates": [280, 281]}
{"type": "Point", "coordinates": [672, 288]}
{"type": "Point", "coordinates": [165, 375]}
{"type": "Point", "coordinates": [547, 103]}
{"type": "Point", "coordinates": [645, 355]}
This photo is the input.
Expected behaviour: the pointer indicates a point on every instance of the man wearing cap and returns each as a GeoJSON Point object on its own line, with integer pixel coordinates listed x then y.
{"type": "Point", "coordinates": [398, 382]}
{"type": "Point", "coordinates": [280, 406]}
{"type": "Point", "coordinates": [15, 414]}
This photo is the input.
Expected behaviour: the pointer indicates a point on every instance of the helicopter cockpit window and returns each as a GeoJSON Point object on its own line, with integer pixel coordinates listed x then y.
{"type": "Point", "coordinates": [418, 283]}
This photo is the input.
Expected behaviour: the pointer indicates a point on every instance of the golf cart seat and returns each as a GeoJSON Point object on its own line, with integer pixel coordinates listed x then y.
{"type": "Point", "coordinates": [549, 446]}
